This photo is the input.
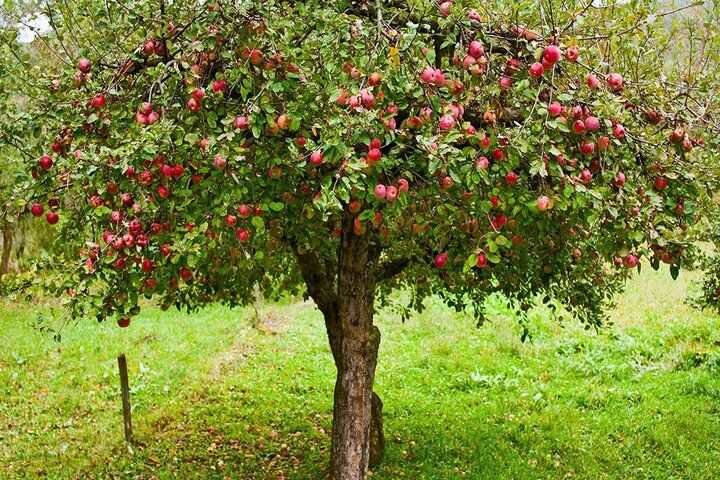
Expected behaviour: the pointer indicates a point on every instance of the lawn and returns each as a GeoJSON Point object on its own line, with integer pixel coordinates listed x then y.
{"type": "Point", "coordinates": [214, 397]}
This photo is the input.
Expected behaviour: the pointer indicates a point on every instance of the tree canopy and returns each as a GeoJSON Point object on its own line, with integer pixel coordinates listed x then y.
{"type": "Point", "coordinates": [188, 151]}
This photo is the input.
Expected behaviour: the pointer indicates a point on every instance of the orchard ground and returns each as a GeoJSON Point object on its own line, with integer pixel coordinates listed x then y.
{"type": "Point", "coordinates": [214, 397]}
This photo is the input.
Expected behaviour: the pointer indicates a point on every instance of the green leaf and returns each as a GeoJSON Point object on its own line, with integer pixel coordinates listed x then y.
{"type": "Point", "coordinates": [470, 263]}
{"type": "Point", "coordinates": [674, 271]}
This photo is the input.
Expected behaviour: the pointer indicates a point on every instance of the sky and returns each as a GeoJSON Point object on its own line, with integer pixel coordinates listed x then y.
{"type": "Point", "coordinates": [38, 22]}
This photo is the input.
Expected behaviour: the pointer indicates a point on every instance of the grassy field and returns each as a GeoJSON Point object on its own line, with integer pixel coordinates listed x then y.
{"type": "Point", "coordinates": [215, 398]}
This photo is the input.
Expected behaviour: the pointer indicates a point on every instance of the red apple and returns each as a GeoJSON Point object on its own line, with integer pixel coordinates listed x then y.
{"type": "Point", "coordinates": [123, 322]}
{"type": "Point", "coordinates": [36, 209]}
{"type": "Point", "coordinates": [45, 162]}
{"type": "Point", "coordinates": [380, 191]}
{"type": "Point", "coordinates": [244, 210]}
{"type": "Point", "coordinates": [615, 82]}
{"type": "Point", "coordinates": [84, 65]}
{"type": "Point", "coordinates": [592, 81]}
{"type": "Point", "coordinates": [476, 49]}
{"type": "Point", "coordinates": [219, 86]}
{"type": "Point", "coordinates": [536, 70]}
{"type": "Point", "coordinates": [316, 157]}
{"type": "Point", "coordinates": [242, 234]}
{"type": "Point", "coordinates": [660, 183]}
{"type": "Point", "coordinates": [98, 101]}
{"type": "Point", "coordinates": [620, 179]}
{"type": "Point", "coordinates": [241, 122]}
{"type": "Point", "coordinates": [186, 274]}
{"type": "Point", "coordinates": [555, 109]}
{"type": "Point", "coordinates": [572, 54]}
{"type": "Point", "coordinates": [543, 203]}
{"type": "Point", "coordinates": [618, 131]}
{"type": "Point", "coordinates": [441, 259]}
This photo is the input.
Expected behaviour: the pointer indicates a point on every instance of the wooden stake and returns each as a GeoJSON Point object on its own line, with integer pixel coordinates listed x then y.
{"type": "Point", "coordinates": [125, 389]}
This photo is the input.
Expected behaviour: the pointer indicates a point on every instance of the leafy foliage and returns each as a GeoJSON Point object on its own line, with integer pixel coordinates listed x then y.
{"type": "Point", "coordinates": [203, 148]}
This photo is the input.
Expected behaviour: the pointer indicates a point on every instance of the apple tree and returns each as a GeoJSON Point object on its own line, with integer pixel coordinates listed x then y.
{"type": "Point", "coordinates": [351, 148]}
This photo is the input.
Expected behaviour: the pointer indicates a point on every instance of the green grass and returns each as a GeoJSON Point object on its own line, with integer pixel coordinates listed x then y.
{"type": "Point", "coordinates": [215, 398]}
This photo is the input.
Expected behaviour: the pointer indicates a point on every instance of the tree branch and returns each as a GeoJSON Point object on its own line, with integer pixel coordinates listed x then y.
{"type": "Point", "coordinates": [320, 283]}
{"type": "Point", "coordinates": [391, 269]}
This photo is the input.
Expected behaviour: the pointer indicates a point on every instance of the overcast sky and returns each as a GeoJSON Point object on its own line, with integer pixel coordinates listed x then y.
{"type": "Point", "coordinates": [38, 22]}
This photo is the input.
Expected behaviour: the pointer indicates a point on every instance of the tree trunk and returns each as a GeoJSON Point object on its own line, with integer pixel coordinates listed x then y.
{"type": "Point", "coordinates": [7, 237]}
{"type": "Point", "coordinates": [354, 341]}
{"type": "Point", "coordinates": [357, 439]}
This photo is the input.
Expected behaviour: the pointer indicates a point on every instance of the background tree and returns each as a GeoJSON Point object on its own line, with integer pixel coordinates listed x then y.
{"type": "Point", "coordinates": [348, 149]}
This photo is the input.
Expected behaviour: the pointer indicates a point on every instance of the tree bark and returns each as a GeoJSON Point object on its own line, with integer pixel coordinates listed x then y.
{"type": "Point", "coordinates": [345, 296]}
{"type": "Point", "coordinates": [359, 341]}
{"type": "Point", "coordinates": [7, 237]}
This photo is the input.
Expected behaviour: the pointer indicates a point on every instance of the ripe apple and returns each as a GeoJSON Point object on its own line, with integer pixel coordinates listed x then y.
{"type": "Point", "coordinates": [241, 122]}
{"type": "Point", "coordinates": [123, 322]}
{"type": "Point", "coordinates": [615, 82]}
{"type": "Point", "coordinates": [592, 81]}
{"type": "Point", "coordinates": [391, 193]}
{"type": "Point", "coordinates": [579, 127]}
{"type": "Point", "coordinates": [482, 163]}
{"type": "Point", "coordinates": [446, 122]}
{"type": "Point", "coordinates": [476, 49]}
{"type": "Point", "coordinates": [403, 185]}
{"type": "Point", "coordinates": [45, 162]}
{"type": "Point", "coordinates": [218, 86]}
{"type": "Point", "coordinates": [592, 123]}
{"type": "Point", "coordinates": [374, 155]}
{"type": "Point", "coordinates": [587, 147]}
{"type": "Point", "coordinates": [511, 178]}
{"type": "Point", "coordinates": [220, 162]}
{"type": "Point", "coordinates": [630, 261]}
{"type": "Point", "coordinates": [52, 218]}
{"type": "Point", "coordinates": [367, 98]}
{"type": "Point", "coordinates": [618, 131]}
{"type": "Point", "coordinates": [543, 203]}
{"type": "Point", "coordinates": [316, 157]}
{"type": "Point", "coordinates": [374, 79]}
{"type": "Point", "coordinates": [620, 179]}
{"type": "Point", "coordinates": [445, 8]}
{"type": "Point", "coordinates": [84, 65]}
{"type": "Point", "coordinates": [536, 70]}
{"type": "Point", "coordinates": [572, 54]}
{"type": "Point", "coordinates": [551, 54]}
{"type": "Point", "coordinates": [481, 261]}
{"type": "Point", "coordinates": [661, 183]}
{"type": "Point", "coordinates": [186, 274]}
{"type": "Point", "coordinates": [380, 191]}
{"type": "Point", "coordinates": [355, 206]}
{"type": "Point", "coordinates": [441, 259]}
{"type": "Point", "coordinates": [193, 104]}
{"type": "Point", "coordinates": [147, 265]}
{"type": "Point", "coordinates": [242, 234]}
{"type": "Point", "coordinates": [36, 209]}
{"type": "Point", "coordinates": [283, 122]}
{"type": "Point", "coordinates": [244, 210]}
{"type": "Point", "coordinates": [586, 176]}
{"type": "Point", "coordinates": [499, 221]}
{"type": "Point", "coordinates": [230, 220]}
{"type": "Point", "coordinates": [555, 109]}
{"type": "Point", "coordinates": [603, 143]}
{"type": "Point", "coordinates": [98, 101]}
